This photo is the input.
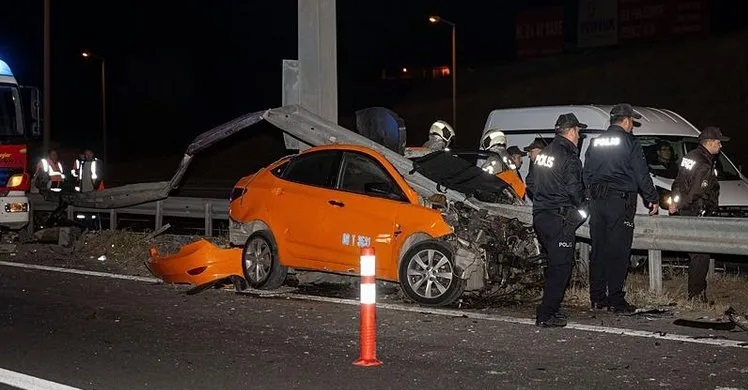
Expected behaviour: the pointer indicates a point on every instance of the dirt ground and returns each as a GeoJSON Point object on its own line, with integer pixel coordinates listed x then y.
{"type": "Point", "coordinates": [127, 252]}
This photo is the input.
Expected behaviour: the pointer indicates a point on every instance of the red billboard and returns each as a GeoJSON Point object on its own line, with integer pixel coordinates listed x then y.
{"type": "Point", "coordinates": [651, 20]}
{"type": "Point", "coordinates": [540, 32]}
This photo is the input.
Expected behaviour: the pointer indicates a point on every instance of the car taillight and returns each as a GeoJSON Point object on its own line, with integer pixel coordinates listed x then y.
{"type": "Point", "coordinates": [15, 181]}
{"type": "Point", "coordinates": [236, 193]}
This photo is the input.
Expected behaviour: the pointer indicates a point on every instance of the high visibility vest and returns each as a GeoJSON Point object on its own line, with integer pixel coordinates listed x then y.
{"type": "Point", "coordinates": [89, 175]}
{"type": "Point", "coordinates": [54, 171]}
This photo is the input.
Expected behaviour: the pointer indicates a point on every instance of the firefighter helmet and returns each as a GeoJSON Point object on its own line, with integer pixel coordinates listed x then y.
{"type": "Point", "coordinates": [442, 130]}
{"type": "Point", "coordinates": [492, 138]}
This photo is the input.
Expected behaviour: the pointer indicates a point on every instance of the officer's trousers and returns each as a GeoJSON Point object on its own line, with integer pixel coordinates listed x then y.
{"type": "Point", "coordinates": [698, 268]}
{"type": "Point", "coordinates": [612, 233]}
{"type": "Point", "coordinates": [558, 239]}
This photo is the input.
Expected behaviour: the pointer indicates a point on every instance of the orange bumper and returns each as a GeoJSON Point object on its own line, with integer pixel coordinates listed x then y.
{"type": "Point", "coordinates": [198, 263]}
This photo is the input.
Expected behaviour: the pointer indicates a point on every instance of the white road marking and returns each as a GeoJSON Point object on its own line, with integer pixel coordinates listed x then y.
{"type": "Point", "coordinates": [28, 382]}
{"type": "Point", "coordinates": [528, 321]}
{"type": "Point", "coordinates": [424, 310]}
{"type": "Point", "coordinates": [80, 272]}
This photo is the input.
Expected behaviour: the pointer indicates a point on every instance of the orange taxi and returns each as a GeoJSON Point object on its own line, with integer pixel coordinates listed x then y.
{"type": "Point", "coordinates": [316, 209]}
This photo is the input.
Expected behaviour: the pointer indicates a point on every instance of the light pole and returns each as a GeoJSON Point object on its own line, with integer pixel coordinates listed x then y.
{"type": "Point", "coordinates": [437, 19]}
{"type": "Point", "coordinates": [88, 54]}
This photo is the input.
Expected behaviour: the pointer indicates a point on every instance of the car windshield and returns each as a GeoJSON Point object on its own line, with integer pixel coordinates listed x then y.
{"type": "Point", "coordinates": [11, 122]}
{"type": "Point", "coordinates": [664, 154]}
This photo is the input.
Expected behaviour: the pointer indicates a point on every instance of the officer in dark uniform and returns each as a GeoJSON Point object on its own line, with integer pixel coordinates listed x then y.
{"type": "Point", "coordinates": [695, 192]}
{"type": "Point", "coordinates": [558, 209]}
{"type": "Point", "coordinates": [615, 170]}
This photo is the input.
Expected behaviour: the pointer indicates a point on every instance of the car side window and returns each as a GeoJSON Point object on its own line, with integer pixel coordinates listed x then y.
{"type": "Point", "coordinates": [364, 175]}
{"type": "Point", "coordinates": [315, 168]}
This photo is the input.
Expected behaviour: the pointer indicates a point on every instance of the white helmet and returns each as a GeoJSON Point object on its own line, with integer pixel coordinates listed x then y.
{"type": "Point", "coordinates": [492, 138]}
{"type": "Point", "coordinates": [442, 130]}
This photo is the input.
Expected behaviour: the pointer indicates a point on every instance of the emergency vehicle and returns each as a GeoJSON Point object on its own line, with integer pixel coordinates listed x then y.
{"type": "Point", "coordinates": [19, 123]}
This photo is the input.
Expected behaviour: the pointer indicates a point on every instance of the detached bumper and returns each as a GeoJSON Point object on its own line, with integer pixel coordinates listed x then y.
{"type": "Point", "coordinates": [199, 263]}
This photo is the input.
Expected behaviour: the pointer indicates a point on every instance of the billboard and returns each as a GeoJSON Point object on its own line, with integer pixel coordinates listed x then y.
{"type": "Point", "coordinates": [597, 23]}
{"type": "Point", "coordinates": [652, 20]}
{"type": "Point", "coordinates": [540, 31]}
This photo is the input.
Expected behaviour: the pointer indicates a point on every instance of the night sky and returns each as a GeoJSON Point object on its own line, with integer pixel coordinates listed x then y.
{"type": "Point", "coordinates": [177, 68]}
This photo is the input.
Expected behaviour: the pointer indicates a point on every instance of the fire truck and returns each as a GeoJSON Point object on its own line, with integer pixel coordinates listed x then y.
{"type": "Point", "coordinates": [19, 124]}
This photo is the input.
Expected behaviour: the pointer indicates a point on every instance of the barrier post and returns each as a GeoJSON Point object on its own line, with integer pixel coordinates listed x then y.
{"type": "Point", "coordinates": [368, 316]}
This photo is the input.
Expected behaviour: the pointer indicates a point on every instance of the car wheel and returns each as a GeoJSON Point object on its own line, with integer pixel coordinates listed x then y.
{"type": "Point", "coordinates": [428, 274]}
{"type": "Point", "coordinates": [260, 263]}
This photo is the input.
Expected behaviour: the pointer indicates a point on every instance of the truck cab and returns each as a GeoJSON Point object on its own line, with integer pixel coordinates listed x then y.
{"type": "Point", "coordinates": [19, 122]}
{"type": "Point", "coordinates": [664, 135]}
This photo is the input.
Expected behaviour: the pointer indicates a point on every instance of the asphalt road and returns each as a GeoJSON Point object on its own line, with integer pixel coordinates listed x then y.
{"type": "Point", "coordinates": [97, 333]}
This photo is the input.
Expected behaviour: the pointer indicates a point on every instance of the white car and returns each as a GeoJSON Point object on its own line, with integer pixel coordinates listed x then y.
{"type": "Point", "coordinates": [660, 130]}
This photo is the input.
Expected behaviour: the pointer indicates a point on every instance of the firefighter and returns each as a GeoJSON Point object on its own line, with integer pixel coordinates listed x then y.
{"type": "Point", "coordinates": [499, 162]}
{"type": "Point", "coordinates": [90, 173]}
{"type": "Point", "coordinates": [695, 192]}
{"type": "Point", "coordinates": [440, 136]}
{"type": "Point", "coordinates": [559, 208]}
{"type": "Point", "coordinates": [76, 171]}
{"type": "Point", "coordinates": [49, 172]}
{"type": "Point", "coordinates": [615, 170]}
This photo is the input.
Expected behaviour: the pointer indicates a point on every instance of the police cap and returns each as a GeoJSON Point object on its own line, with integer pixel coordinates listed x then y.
{"type": "Point", "coordinates": [624, 109]}
{"type": "Point", "coordinates": [567, 121]}
{"type": "Point", "coordinates": [712, 132]}
{"type": "Point", "coordinates": [537, 143]}
{"type": "Point", "coordinates": [512, 150]}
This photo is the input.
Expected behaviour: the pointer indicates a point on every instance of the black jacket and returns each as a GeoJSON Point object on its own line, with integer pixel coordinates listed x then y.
{"type": "Point", "coordinates": [696, 188]}
{"type": "Point", "coordinates": [555, 180]}
{"type": "Point", "coordinates": [617, 158]}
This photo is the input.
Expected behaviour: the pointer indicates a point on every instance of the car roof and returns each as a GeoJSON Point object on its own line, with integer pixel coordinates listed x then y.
{"type": "Point", "coordinates": [654, 121]}
{"type": "Point", "coordinates": [351, 147]}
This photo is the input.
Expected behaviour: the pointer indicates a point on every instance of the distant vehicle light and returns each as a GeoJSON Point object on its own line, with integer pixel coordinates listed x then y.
{"type": "Point", "coordinates": [5, 69]}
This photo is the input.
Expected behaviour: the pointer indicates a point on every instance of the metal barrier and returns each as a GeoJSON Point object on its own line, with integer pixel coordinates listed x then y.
{"type": "Point", "coordinates": [667, 233]}
{"type": "Point", "coordinates": [204, 208]}
{"type": "Point", "coordinates": [653, 233]}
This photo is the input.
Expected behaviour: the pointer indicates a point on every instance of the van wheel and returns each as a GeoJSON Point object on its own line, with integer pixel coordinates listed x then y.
{"type": "Point", "coordinates": [260, 263]}
{"type": "Point", "coordinates": [428, 274]}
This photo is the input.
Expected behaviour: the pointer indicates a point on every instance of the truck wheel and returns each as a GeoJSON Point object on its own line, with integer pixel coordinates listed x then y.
{"type": "Point", "coordinates": [428, 274]}
{"type": "Point", "coordinates": [260, 263]}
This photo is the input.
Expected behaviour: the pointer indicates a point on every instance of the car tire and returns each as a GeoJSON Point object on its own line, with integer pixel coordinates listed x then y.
{"type": "Point", "coordinates": [260, 264]}
{"type": "Point", "coordinates": [424, 282]}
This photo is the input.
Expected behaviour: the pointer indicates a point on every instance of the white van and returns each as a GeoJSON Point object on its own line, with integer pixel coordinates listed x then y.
{"type": "Point", "coordinates": [660, 130]}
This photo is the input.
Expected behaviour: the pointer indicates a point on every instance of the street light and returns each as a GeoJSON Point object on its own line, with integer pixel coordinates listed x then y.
{"type": "Point", "coordinates": [88, 54]}
{"type": "Point", "coordinates": [437, 19]}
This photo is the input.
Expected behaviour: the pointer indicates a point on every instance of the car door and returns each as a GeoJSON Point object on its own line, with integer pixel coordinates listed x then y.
{"type": "Point", "coordinates": [368, 201]}
{"type": "Point", "coordinates": [299, 206]}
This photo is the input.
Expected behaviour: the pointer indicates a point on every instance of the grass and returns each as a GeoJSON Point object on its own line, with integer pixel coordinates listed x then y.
{"type": "Point", "coordinates": [723, 291]}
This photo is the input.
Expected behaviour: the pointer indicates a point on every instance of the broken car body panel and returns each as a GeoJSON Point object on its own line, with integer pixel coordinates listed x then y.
{"type": "Point", "coordinates": [197, 263]}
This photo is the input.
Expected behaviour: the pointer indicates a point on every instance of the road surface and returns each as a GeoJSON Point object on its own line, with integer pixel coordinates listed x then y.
{"type": "Point", "coordinates": [99, 333]}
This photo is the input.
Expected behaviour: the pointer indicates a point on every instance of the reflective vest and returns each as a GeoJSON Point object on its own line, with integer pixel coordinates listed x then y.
{"type": "Point", "coordinates": [89, 175]}
{"type": "Point", "coordinates": [54, 171]}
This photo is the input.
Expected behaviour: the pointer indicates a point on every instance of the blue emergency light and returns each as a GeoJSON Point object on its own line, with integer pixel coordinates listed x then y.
{"type": "Point", "coordinates": [5, 69]}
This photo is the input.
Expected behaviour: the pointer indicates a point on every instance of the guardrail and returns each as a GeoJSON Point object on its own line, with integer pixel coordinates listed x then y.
{"type": "Point", "coordinates": [653, 233]}
{"type": "Point", "coordinates": [207, 209]}
{"type": "Point", "coordinates": [667, 233]}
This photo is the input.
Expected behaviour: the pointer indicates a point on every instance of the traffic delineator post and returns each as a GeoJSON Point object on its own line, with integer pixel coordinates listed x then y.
{"type": "Point", "coordinates": [368, 305]}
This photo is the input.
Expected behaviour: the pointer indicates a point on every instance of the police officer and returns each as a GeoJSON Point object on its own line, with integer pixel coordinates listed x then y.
{"type": "Point", "coordinates": [695, 192]}
{"type": "Point", "coordinates": [558, 210]}
{"type": "Point", "coordinates": [615, 170]}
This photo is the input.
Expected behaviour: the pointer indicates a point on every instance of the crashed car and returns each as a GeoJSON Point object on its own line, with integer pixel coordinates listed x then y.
{"type": "Point", "coordinates": [437, 222]}
{"type": "Point", "coordinates": [315, 210]}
